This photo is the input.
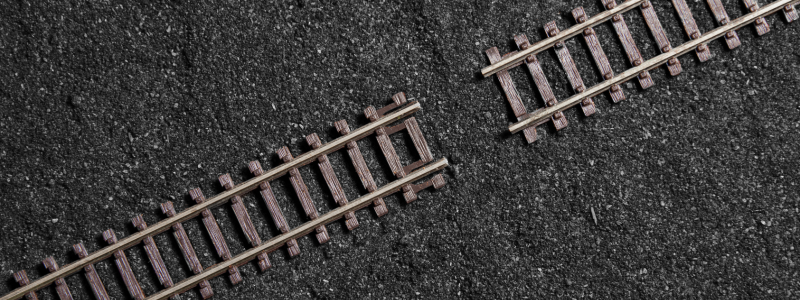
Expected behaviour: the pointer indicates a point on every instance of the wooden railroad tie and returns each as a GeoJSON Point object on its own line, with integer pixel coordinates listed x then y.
{"type": "Point", "coordinates": [640, 68]}
{"type": "Point", "coordinates": [381, 125]}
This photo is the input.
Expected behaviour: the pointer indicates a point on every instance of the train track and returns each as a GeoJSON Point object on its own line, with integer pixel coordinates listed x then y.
{"type": "Point", "coordinates": [381, 125]}
{"type": "Point", "coordinates": [553, 109]}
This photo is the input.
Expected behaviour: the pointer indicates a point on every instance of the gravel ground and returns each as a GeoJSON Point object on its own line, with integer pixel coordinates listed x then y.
{"type": "Point", "coordinates": [109, 109]}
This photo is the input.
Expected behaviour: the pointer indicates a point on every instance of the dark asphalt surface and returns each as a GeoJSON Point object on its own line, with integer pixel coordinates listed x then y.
{"type": "Point", "coordinates": [109, 109]}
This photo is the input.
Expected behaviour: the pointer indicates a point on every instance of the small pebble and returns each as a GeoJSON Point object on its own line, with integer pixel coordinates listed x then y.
{"type": "Point", "coordinates": [75, 101]}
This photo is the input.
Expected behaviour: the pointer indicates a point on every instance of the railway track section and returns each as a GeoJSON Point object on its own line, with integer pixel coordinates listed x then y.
{"type": "Point", "coordinates": [553, 110]}
{"type": "Point", "coordinates": [393, 118]}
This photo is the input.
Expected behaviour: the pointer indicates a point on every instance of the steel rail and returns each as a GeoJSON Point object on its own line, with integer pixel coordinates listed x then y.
{"type": "Point", "coordinates": [562, 36]}
{"type": "Point", "coordinates": [542, 115]}
{"type": "Point", "coordinates": [298, 232]}
{"type": "Point", "coordinates": [217, 200]}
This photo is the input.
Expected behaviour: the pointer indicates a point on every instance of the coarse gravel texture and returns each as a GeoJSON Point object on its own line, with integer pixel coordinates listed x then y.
{"type": "Point", "coordinates": [110, 108]}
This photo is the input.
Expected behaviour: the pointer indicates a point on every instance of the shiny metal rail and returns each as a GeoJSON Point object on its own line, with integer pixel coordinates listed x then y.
{"type": "Point", "coordinates": [560, 37]}
{"type": "Point", "coordinates": [217, 200]}
{"type": "Point", "coordinates": [300, 231]}
{"type": "Point", "coordinates": [543, 115]}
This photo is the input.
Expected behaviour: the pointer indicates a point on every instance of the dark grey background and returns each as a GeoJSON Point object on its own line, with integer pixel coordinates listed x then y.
{"type": "Point", "coordinates": [111, 108]}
